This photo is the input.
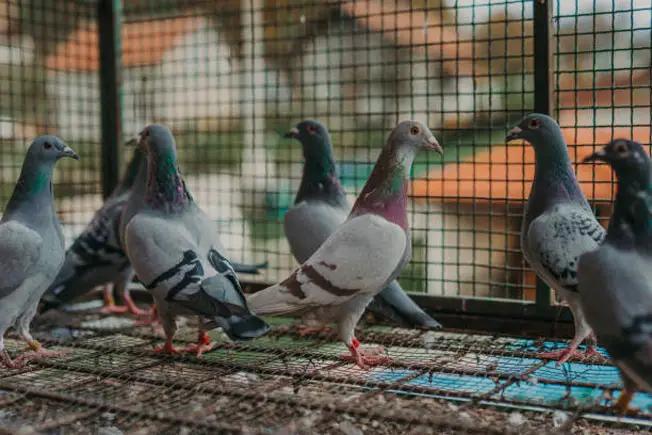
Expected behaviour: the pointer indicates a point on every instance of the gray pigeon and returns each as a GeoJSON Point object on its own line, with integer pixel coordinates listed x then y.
{"type": "Point", "coordinates": [31, 245]}
{"type": "Point", "coordinates": [559, 225]}
{"type": "Point", "coordinates": [176, 252]}
{"type": "Point", "coordinates": [616, 280]}
{"type": "Point", "coordinates": [96, 257]}
{"type": "Point", "coordinates": [320, 207]}
{"type": "Point", "coordinates": [362, 255]}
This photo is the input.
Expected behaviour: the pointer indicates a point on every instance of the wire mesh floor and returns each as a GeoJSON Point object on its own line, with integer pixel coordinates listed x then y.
{"type": "Point", "coordinates": [437, 382]}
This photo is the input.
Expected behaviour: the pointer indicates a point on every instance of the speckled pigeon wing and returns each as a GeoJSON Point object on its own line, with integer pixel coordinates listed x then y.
{"type": "Point", "coordinates": [558, 238]}
{"type": "Point", "coordinates": [308, 224]}
{"type": "Point", "coordinates": [20, 249]}
{"type": "Point", "coordinates": [616, 295]}
{"type": "Point", "coordinates": [359, 257]}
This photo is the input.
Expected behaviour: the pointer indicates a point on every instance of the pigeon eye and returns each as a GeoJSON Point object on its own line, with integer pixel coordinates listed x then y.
{"type": "Point", "coordinates": [312, 129]}
{"type": "Point", "coordinates": [414, 130]}
{"type": "Point", "coordinates": [47, 145]}
{"type": "Point", "coordinates": [534, 124]}
{"type": "Point", "coordinates": [621, 148]}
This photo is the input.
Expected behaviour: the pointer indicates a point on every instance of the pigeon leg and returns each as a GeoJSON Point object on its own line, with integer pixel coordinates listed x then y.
{"type": "Point", "coordinates": [170, 328]}
{"type": "Point", "coordinates": [6, 360]}
{"type": "Point", "coordinates": [37, 351]}
{"type": "Point", "coordinates": [591, 350]}
{"type": "Point", "coordinates": [365, 358]}
{"type": "Point", "coordinates": [624, 400]}
{"type": "Point", "coordinates": [131, 305]}
{"type": "Point", "coordinates": [109, 302]}
{"type": "Point", "coordinates": [152, 321]}
{"type": "Point", "coordinates": [168, 347]}
{"type": "Point", "coordinates": [204, 344]}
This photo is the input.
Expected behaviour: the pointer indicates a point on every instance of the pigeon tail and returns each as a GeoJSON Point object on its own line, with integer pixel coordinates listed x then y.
{"type": "Point", "coordinates": [246, 327]}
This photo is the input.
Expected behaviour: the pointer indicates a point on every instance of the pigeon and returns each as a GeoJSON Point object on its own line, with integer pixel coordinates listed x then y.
{"type": "Point", "coordinates": [175, 251]}
{"type": "Point", "coordinates": [362, 255]}
{"type": "Point", "coordinates": [96, 257]}
{"type": "Point", "coordinates": [32, 245]}
{"type": "Point", "coordinates": [615, 282]}
{"type": "Point", "coordinates": [320, 207]}
{"type": "Point", "coordinates": [559, 225]}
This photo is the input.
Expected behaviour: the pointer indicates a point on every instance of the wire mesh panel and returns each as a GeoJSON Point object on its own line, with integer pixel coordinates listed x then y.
{"type": "Point", "coordinates": [230, 78]}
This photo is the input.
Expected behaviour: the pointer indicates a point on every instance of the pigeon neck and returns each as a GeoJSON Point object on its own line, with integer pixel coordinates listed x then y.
{"type": "Point", "coordinates": [131, 174]}
{"type": "Point", "coordinates": [165, 187]}
{"type": "Point", "coordinates": [32, 196]}
{"type": "Point", "coordinates": [632, 216]}
{"type": "Point", "coordinates": [320, 181]}
{"type": "Point", "coordinates": [554, 182]}
{"type": "Point", "coordinates": [385, 192]}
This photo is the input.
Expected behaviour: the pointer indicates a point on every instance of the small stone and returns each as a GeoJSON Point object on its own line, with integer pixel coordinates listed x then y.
{"type": "Point", "coordinates": [108, 416]}
{"type": "Point", "coordinates": [559, 418]}
{"type": "Point", "coordinates": [347, 428]}
{"type": "Point", "coordinates": [516, 419]}
{"type": "Point", "coordinates": [532, 380]}
{"type": "Point", "coordinates": [428, 340]}
{"type": "Point", "coordinates": [109, 430]}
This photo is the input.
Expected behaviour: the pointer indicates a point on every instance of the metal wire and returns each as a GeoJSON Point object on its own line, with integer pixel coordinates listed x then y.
{"type": "Point", "coordinates": [228, 77]}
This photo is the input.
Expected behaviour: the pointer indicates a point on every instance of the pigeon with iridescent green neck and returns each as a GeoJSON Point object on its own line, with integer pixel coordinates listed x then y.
{"type": "Point", "coordinates": [615, 282]}
{"type": "Point", "coordinates": [362, 255]}
{"type": "Point", "coordinates": [175, 251]}
{"type": "Point", "coordinates": [31, 245]}
{"type": "Point", "coordinates": [320, 207]}
{"type": "Point", "coordinates": [559, 225]}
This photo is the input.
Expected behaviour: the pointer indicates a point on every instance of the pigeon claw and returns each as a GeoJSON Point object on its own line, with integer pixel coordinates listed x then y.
{"type": "Point", "coordinates": [168, 347]}
{"type": "Point", "coordinates": [303, 330]}
{"type": "Point", "coordinates": [562, 356]}
{"type": "Point", "coordinates": [199, 348]}
{"type": "Point", "coordinates": [366, 358]}
{"type": "Point", "coordinates": [37, 352]}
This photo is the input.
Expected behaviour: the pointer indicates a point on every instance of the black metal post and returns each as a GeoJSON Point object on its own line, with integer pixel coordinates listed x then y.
{"type": "Point", "coordinates": [542, 94]}
{"type": "Point", "coordinates": [109, 17]}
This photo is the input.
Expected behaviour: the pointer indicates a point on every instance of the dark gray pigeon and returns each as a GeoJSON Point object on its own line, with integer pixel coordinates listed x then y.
{"type": "Point", "coordinates": [176, 253]}
{"type": "Point", "coordinates": [616, 280]}
{"type": "Point", "coordinates": [320, 207]}
{"type": "Point", "coordinates": [559, 225]}
{"type": "Point", "coordinates": [31, 245]}
{"type": "Point", "coordinates": [96, 257]}
{"type": "Point", "coordinates": [362, 255]}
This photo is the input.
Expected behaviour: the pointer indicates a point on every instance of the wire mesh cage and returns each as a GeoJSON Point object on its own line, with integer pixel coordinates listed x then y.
{"type": "Point", "coordinates": [230, 78]}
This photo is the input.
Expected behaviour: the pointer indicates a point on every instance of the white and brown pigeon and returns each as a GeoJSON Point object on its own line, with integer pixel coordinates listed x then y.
{"type": "Point", "coordinates": [320, 207]}
{"type": "Point", "coordinates": [362, 255]}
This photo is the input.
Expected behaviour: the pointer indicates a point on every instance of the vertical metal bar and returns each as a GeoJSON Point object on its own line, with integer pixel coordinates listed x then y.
{"type": "Point", "coordinates": [109, 17]}
{"type": "Point", "coordinates": [542, 95]}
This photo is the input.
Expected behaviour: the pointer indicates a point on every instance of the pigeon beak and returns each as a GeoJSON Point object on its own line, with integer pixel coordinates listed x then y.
{"type": "Point", "coordinates": [598, 155]}
{"type": "Point", "coordinates": [514, 133]}
{"type": "Point", "coordinates": [433, 145]}
{"type": "Point", "coordinates": [292, 134]}
{"type": "Point", "coordinates": [68, 152]}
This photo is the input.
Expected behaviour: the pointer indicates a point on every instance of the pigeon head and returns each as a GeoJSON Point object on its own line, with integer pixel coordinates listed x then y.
{"type": "Point", "coordinates": [538, 129]}
{"type": "Point", "coordinates": [413, 135]}
{"type": "Point", "coordinates": [49, 149]}
{"type": "Point", "coordinates": [156, 141]}
{"type": "Point", "coordinates": [623, 156]}
{"type": "Point", "coordinates": [314, 139]}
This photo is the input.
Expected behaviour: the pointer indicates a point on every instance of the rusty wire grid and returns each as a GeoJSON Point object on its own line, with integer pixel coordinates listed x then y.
{"type": "Point", "coordinates": [437, 382]}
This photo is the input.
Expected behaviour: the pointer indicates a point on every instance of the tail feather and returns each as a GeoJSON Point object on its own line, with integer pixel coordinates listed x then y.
{"type": "Point", "coordinates": [267, 302]}
{"type": "Point", "coordinates": [249, 268]}
{"type": "Point", "coordinates": [394, 304]}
